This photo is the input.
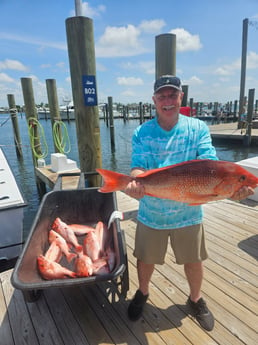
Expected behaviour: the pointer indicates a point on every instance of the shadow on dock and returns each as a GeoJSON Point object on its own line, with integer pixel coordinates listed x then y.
{"type": "Point", "coordinates": [249, 245]}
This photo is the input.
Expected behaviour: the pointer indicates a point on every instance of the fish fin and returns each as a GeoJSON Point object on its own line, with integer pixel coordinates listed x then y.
{"type": "Point", "coordinates": [152, 171]}
{"type": "Point", "coordinates": [113, 181]}
{"type": "Point", "coordinates": [71, 256]}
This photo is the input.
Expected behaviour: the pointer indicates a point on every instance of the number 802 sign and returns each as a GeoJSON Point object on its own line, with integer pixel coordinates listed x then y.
{"type": "Point", "coordinates": [89, 90]}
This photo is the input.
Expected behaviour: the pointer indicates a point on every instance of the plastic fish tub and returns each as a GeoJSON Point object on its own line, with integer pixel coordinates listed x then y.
{"type": "Point", "coordinates": [81, 206]}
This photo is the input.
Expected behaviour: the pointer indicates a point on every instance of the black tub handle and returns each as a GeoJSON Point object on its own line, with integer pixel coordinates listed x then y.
{"type": "Point", "coordinates": [82, 183]}
{"type": "Point", "coordinates": [4, 197]}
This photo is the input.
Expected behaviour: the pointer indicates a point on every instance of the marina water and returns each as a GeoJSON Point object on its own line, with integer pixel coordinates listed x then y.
{"type": "Point", "coordinates": [118, 160]}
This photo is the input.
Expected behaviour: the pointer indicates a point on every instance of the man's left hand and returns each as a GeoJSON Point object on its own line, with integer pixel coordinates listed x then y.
{"type": "Point", "coordinates": [242, 193]}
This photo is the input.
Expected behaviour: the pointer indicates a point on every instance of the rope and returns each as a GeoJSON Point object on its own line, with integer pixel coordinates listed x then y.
{"type": "Point", "coordinates": [61, 137]}
{"type": "Point", "coordinates": [32, 125]}
{"type": "Point", "coordinates": [4, 122]}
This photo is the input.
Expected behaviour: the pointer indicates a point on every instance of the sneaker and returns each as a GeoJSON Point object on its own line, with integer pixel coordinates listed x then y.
{"type": "Point", "coordinates": [136, 306]}
{"type": "Point", "coordinates": [202, 313]}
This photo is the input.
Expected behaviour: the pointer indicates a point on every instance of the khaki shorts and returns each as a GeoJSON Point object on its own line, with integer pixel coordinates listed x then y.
{"type": "Point", "coordinates": [188, 244]}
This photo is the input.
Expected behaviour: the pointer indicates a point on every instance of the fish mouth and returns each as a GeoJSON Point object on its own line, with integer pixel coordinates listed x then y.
{"type": "Point", "coordinates": [168, 107]}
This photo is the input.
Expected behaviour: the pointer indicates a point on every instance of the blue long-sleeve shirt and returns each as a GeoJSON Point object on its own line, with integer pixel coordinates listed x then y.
{"type": "Point", "coordinates": [153, 147]}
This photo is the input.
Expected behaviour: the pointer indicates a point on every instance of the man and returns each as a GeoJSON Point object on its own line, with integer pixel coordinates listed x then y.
{"type": "Point", "coordinates": [168, 139]}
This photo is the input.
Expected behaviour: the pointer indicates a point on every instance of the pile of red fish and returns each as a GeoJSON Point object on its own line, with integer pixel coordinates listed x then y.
{"type": "Point", "coordinates": [93, 257]}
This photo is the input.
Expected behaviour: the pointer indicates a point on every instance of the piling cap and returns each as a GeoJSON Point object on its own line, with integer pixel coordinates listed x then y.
{"type": "Point", "coordinates": [167, 81]}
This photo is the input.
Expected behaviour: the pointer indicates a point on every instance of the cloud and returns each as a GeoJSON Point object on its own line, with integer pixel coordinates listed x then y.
{"type": "Point", "coordinates": [128, 93]}
{"type": "Point", "coordinates": [60, 64]}
{"type": "Point", "coordinates": [119, 41]}
{"type": "Point", "coordinates": [4, 78]}
{"type": "Point", "coordinates": [129, 81]}
{"type": "Point", "coordinates": [152, 26]}
{"type": "Point", "coordinates": [252, 60]}
{"type": "Point", "coordinates": [12, 65]}
{"type": "Point", "coordinates": [185, 41]}
{"type": "Point", "coordinates": [193, 81]}
{"type": "Point", "coordinates": [89, 11]}
{"type": "Point", "coordinates": [32, 40]}
{"type": "Point", "coordinates": [46, 65]}
{"type": "Point", "coordinates": [147, 67]}
{"type": "Point", "coordinates": [229, 69]}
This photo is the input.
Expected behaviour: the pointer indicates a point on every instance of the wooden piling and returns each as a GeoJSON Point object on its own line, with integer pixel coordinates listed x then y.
{"type": "Point", "coordinates": [191, 105]}
{"type": "Point", "coordinates": [80, 41]}
{"type": "Point", "coordinates": [165, 54]}
{"type": "Point", "coordinates": [54, 112]}
{"type": "Point", "coordinates": [248, 135]}
{"type": "Point", "coordinates": [31, 116]}
{"type": "Point", "coordinates": [111, 122]}
{"type": "Point", "coordinates": [235, 110]}
{"type": "Point", "coordinates": [185, 91]}
{"type": "Point", "coordinates": [141, 113]}
{"type": "Point", "coordinates": [16, 132]}
{"type": "Point", "coordinates": [243, 70]}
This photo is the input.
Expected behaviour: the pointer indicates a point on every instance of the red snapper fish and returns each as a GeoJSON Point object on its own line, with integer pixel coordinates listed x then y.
{"type": "Point", "coordinates": [83, 265]}
{"type": "Point", "coordinates": [53, 270]}
{"type": "Point", "coordinates": [54, 237]}
{"type": "Point", "coordinates": [64, 230]}
{"type": "Point", "coordinates": [91, 246]}
{"type": "Point", "coordinates": [193, 182]}
{"type": "Point", "coordinates": [54, 252]}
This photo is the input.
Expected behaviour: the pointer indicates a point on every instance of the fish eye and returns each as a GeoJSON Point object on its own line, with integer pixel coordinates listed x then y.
{"type": "Point", "coordinates": [242, 178]}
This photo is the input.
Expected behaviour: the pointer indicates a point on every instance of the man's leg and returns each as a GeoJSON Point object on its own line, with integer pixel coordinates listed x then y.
{"type": "Point", "coordinates": [150, 249]}
{"type": "Point", "coordinates": [194, 275]}
{"type": "Point", "coordinates": [144, 276]}
{"type": "Point", "coordinates": [136, 305]}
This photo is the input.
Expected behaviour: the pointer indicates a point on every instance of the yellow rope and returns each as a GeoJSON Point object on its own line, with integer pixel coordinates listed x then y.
{"type": "Point", "coordinates": [32, 123]}
{"type": "Point", "coordinates": [61, 137]}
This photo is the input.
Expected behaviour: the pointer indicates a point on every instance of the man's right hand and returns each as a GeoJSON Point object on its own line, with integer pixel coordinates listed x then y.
{"type": "Point", "coordinates": [135, 190]}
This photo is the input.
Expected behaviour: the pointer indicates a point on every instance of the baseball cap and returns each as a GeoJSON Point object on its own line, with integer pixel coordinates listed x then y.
{"type": "Point", "coordinates": [167, 81]}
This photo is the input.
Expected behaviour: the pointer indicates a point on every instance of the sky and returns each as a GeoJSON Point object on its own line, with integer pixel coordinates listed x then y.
{"type": "Point", "coordinates": [33, 44]}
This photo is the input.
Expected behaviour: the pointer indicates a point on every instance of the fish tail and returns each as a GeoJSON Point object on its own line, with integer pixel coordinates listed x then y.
{"type": "Point", "coordinates": [78, 248]}
{"type": "Point", "coordinates": [71, 256]}
{"type": "Point", "coordinates": [113, 181]}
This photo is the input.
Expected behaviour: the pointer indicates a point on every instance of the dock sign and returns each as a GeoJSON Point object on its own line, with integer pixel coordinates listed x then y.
{"type": "Point", "coordinates": [89, 90]}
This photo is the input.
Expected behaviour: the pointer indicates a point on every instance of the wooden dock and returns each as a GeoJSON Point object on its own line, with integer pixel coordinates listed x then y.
{"type": "Point", "coordinates": [230, 132]}
{"type": "Point", "coordinates": [96, 315]}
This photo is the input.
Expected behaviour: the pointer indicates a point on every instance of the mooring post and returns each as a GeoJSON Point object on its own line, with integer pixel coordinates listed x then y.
{"type": "Point", "coordinates": [248, 134]}
{"type": "Point", "coordinates": [191, 105]}
{"type": "Point", "coordinates": [235, 110]}
{"type": "Point", "coordinates": [80, 41]}
{"type": "Point", "coordinates": [185, 91]}
{"type": "Point", "coordinates": [243, 70]}
{"type": "Point", "coordinates": [141, 113]}
{"type": "Point", "coordinates": [54, 112]}
{"type": "Point", "coordinates": [16, 132]}
{"type": "Point", "coordinates": [31, 117]}
{"type": "Point", "coordinates": [111, 121]}
{"type": "Point", "coordinates": [165, 54]}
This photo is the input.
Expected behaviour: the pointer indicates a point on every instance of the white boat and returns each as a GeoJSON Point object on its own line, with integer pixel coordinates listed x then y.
{"type": "Point", "coordinates": [11, 213]}
{"type": "Point", "coordinates": [251, 165]}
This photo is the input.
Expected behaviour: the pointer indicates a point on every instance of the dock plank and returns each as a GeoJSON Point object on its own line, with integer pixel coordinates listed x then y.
{"type": "Point", "coordinates": [6, 335]}
{"type": "Point", "coordinates": [20, 321]}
